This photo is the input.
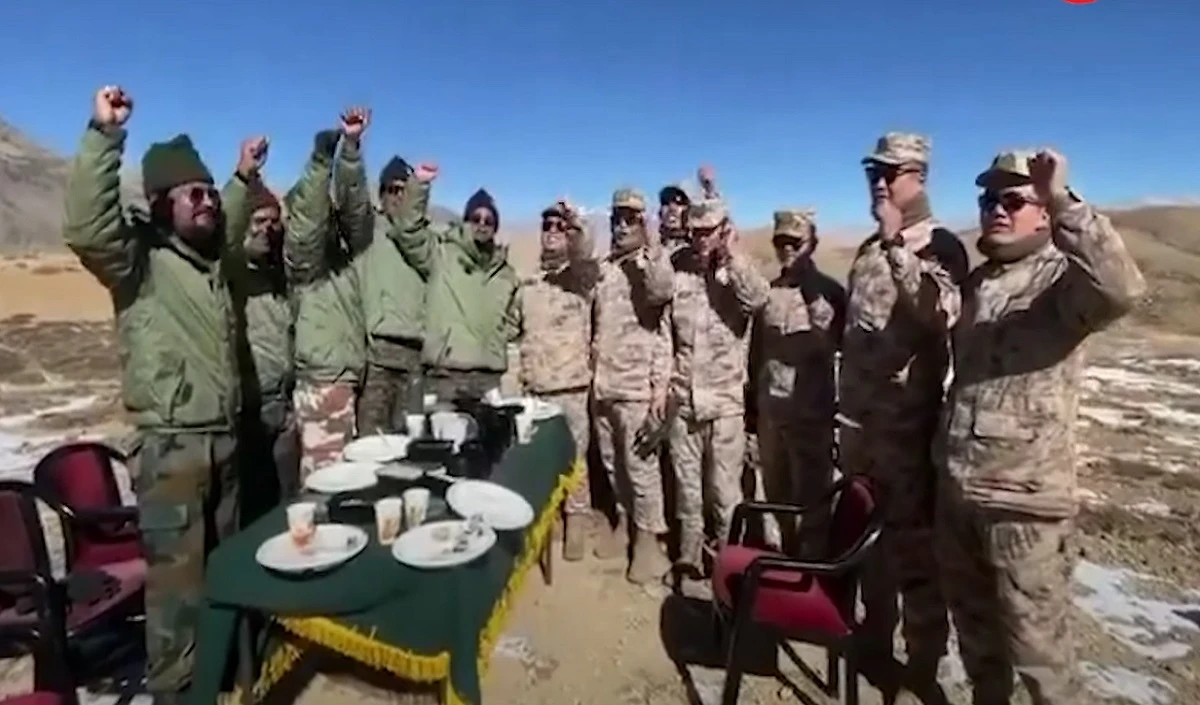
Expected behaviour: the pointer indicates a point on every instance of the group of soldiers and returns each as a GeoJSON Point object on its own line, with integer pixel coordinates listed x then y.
{"type": "Point", "coordinates": [259, 333]}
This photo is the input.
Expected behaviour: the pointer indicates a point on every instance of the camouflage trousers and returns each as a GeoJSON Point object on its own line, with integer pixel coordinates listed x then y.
{"type": "Point", "coordinates": [325, 415]}
{"type": "Point", "coordinates": [187, 495]}
{"type": "Point", "coordinates": [268, 459]}
{"type": "Point", "coordinates": [389, 394]}
{"type": "Point", "coordinates": [636, 480]}
{"type": "Point", "coordinates": [574, 404]}
{"type": "Point", "coordinates": [707, 455]}
{"type": "Point", "coordinates": [797, 468]}
{"type": "Point", "coordinates": [898, 462]}
{"type": "Point", "coordinates": [1008, 581]}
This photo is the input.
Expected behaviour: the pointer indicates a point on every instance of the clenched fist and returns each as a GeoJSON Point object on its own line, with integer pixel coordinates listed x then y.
{"type": "Point", "coordinates": [112, 106]}
{"type": "Point", "coordinates": [252, 156]}
{"type": "Point", "coordinates": [354, 121]}
{"type": "Point", "coordinates": [426, 172]}
{"type": "Point", "coordinates": [1048, 172]}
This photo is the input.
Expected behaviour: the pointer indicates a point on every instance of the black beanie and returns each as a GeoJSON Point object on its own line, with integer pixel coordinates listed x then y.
{"type": "Point", "coordinates": [166, 165]}
{"type": "Point", "coordinates": [482, 199]}
{"type": "Point", "coordinates": [395, 170]}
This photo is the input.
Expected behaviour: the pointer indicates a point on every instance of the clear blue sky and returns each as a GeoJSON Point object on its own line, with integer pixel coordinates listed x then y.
{"type": "Point", "coordinates": [533, 98]}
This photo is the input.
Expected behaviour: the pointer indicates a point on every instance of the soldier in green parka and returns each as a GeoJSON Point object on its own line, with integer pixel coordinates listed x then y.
{"type": "Point", "coordinates": [472, 311]}
{"type": "Point", "coordinates": [171, 277]}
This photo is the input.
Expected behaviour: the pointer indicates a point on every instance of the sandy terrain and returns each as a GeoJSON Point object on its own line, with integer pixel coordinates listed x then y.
{"type": "Point", "coordinates": [592, 638]}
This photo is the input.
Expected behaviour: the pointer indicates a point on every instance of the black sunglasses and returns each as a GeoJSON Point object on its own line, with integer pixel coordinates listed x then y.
{"type": "Point", "coordinates": [1009, 201]}
{"type": "Point", "coordinates": [482, 220]}
{"type": "Point", "coordinates": [554, 225]}
{"type": "Point", "coordinates": [888, 172]}
{"type": "Point", "coordinates": [197, 195]}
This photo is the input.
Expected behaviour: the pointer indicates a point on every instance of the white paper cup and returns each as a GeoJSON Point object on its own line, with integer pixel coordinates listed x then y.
{"type": "Point", "coordinates": [414, 424]}
{"type": "Point", "coordinates": [524, 421]}
{"type": "Point", "coordinates": [416, 506]}
{"type": "Point", "coordinates": [389, 516]}
{"type": "Point", "coordinates": [302, 523]}
{"type": "Point", "coordinates": [429, 401]}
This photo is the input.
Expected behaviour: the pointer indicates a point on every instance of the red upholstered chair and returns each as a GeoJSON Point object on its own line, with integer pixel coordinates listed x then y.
{"type": "Point", "coordinates": [78, 482]}
{"type": "Point", "coordinates": [81, 627]}
{"type": "Point", "coordinates": [40, 697]}
{"type": "Point", "coordinates": [802, 600]}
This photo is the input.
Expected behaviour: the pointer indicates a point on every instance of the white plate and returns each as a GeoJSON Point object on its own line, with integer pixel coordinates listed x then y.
{"type": "Point", "coordinates": [538, 409]}
{"type": "Point", "coordinates": [376, 449]}
{"type": "Point", "coordinates": [431, 545]}
{"type": "Point", "coordinates": [501, 508]}
{"type": "Point", "coordinates": [407, 471]}
{"type": "Point", "coordinates": [342, 476]}
{"type": "Point", "coordinates": [332, 545]}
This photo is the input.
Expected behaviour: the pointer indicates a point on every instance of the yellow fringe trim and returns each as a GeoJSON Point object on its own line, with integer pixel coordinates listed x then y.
{"type": "Point", "coordinates": [282, 660]}
{"type": "Point", "coordinates": [365, 649]}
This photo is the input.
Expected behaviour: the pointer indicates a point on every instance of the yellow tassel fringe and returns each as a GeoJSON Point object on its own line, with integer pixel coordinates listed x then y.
{"type": "Point", "coordinates": [406, 664]}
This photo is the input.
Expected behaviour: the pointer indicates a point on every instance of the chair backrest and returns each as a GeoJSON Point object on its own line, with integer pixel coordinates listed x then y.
{"type": "Point", "coordinates": [79, 475]}
{"type": "Point", "coordinates": [23, 549]}
{"type": "Point", "coordinates": [854, 528]}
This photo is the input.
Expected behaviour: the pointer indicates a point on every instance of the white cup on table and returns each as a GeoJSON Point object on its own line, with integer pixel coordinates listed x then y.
{"type": "Point", "coordinates": [416, 506]}
{"type": "Point", "coordinates": [414, 424]}
{"type": "Point", "coordinates": [524, 422]}
{"type": "Point", "coordinates": [389, 514]}
{"type": "Point", "coordinates": [302, 523]}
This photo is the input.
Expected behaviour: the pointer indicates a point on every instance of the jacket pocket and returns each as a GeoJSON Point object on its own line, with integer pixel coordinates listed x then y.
{"type": "Point", "coordinates": [1006, 447]}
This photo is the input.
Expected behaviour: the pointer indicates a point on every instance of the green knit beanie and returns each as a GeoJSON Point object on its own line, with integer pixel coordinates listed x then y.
{"type": "Point", "coordinates": [169, 164]}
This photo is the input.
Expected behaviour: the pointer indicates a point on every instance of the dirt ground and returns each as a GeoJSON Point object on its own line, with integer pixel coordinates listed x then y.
{"type": "Point", "coordinates": [593, 638]}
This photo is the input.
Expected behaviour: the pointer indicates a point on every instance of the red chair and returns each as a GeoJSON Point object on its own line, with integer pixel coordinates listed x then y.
{"type": "Point", "coordinates": [40, 697]}
{"type": "Point", "coordinates": [78, 482]}
{"type": "Point", "coordinates": [811, 601]}
{"type": "Point", "coordinates": [85, 626]}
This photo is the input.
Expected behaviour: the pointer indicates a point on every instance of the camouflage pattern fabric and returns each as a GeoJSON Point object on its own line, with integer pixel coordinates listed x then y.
{"type": "Point", "coordinates": [555, 344]}
{"type": "Point", "coordinates": [722, 443]}
{"type": "Point", "coordinates": [575, 406]}
{"type": "Point", "coordinates": [325, 412]}
{"type": "Point", "coordinates": [895, 354]}
{"type": "Point", "coordinates": [389, 394]}
{"type": "Point", "coordinates": [897, 148]}
{"type": "Point", "coordinates": [631, 341]}
{"type": "Point", "coordinates": [1008, 582]}
{"type": "Point", "coordinates": [187, 494]}
{"type": "Point", "coordinates": [636, 479]}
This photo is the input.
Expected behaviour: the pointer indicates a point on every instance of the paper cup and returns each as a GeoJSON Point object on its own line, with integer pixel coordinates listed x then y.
{"type": "Point", "coordinates": [389, 516]}
{"type": "Point", "coordinates": [524, 422]}
{"type": "Point", "coordinates": [414, 424]}
{"type": "Point", "coordinates": [429, 401]}
{"type": "Point", "coordinates": [416, 506]}
{"type": "Point", "coordinates": [302, 523]}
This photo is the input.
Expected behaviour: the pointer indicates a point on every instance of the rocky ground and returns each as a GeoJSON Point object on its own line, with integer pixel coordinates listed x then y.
{"type": "Point", "coordinates": [592, 638]}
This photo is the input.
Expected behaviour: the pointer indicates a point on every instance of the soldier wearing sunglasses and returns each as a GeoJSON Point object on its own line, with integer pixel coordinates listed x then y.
{"type": "Point", "coordinates": [1056, 272]}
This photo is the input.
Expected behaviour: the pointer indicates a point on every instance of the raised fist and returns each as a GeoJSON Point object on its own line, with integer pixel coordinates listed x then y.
{"type": "Point", "coordinates": [354, 121]}
{"type": "Point", "coordinates": [1048, 171]}
{"type": "Point", "coordinates": [706, 175]}
{"type": "Point", "coordinates": [252, 155]}
{"type": "Point", "coordinates": [112, 106]}
{"type": "Point", "coordinates": [426, 172]}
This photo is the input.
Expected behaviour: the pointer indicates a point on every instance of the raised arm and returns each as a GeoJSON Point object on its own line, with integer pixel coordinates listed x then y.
{"type": "Point", "coordinates": [925, 286]}
{"type": "Point", "coordinates": [95, 228]}
{"type": "Point", "coordinates": [235, 196]}
{"type": "Point", "coordinates": [307, 239]}
{"type": "Point", "coordinates": [411, 229]}
{"type": "Point", "coordinates": [749, 285]}
{"type": "Point", "coordinates": [355, 212]}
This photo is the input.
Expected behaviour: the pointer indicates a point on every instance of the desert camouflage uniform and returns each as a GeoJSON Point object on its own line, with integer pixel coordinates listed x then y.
{"type": "Point", "coordinates": [631, 358]}
{"type": "Point", "coordinates": [903, 300]}
{"type": "Point", "coordinates": [556, 342]}
{"type": "Point", "coordinates": [710, 319]}
{"type": "Point", "coordinates": [792, 358]}
{"type": "Point", "coordinates": [1006, 448]}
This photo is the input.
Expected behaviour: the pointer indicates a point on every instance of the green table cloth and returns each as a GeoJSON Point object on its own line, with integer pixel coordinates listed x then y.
{"type": "Point", "coordinates": [421, 625]}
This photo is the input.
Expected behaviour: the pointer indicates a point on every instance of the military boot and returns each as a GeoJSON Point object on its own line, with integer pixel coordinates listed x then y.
{"type": "Point", "coordinates": [920, 685]}
{"type": "Point", "coordinates": [690, 566]}
{"type": "Point", "coordinates": [574, 537]}
{"type": "Point", "coordinates": [614, 542]}
{"type": "Point", "coordinates": [649, 563]}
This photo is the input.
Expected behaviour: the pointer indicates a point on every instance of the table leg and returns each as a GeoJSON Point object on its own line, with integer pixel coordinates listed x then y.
{"type": "Point", "coordinates": [247, 670]}
{"type": "Point", "coordinates": [547, 562]}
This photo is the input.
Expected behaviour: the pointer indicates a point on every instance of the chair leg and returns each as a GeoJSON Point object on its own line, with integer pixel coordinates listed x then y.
{"type": "Point", "coordinates": [547, 563]}
{"type": "Point", "coordinates": [833, 673]}
{"type": "Point", "coordinates": [851, 658]}
{"type": "Point", "coordinates": [733, 668]}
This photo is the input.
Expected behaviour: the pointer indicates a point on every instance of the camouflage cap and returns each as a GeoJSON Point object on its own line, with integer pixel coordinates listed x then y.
{"type": "Point", "coordinates": [630, 198]}
{"type": "Point", "coordinates": [900, 148]}
{"type": "Point", "coordinates": [795, 222]}
{"type": "Point", "coordinates": [1009, 168]}
{"type": "Point", "coordinates": [708, 213]}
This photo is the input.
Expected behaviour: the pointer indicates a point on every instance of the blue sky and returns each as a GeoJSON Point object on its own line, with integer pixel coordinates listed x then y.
{"type": "Point", "coordinates": [533, 98]}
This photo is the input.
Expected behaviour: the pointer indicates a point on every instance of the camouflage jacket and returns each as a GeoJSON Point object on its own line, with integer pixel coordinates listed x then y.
{"type": "Point", "coordinates": [793, 345]}
{"type": "Point", "coordinates": [903, 300]}
{"type": "Point", "coordinates": [556, 336]}
{"type": "Point", "coordinates": [710, 319]}
{"type": "Point", "coordinates": [1007, 438]}
{"type": "Point", "coordinates": [631, 342]}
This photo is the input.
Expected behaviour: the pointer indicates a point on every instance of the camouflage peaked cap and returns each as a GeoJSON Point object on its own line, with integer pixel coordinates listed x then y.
{"type": "Point", "coordinates": [708, 213]}
{"type": "Point", "coordinates": [1008, 169]}
{"type": "Point", "coordinates": [900, 148]}
{"type": "Point", "coordinates": [629, 198]}
{"type": "Point", "coordinates": [795, 222]}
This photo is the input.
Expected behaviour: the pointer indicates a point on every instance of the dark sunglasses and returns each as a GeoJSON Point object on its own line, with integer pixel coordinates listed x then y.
{"type": "Point", "coordinates": [394, 189]}
{"type": "Point", "coordinates": [675, 200]}
{"type": "Point", "coordinates": [1010, 201]}
{"type": "Point", "coordinates": [482, 220]}
{"type": "Point", "coordinates": [553, 225]}
{"type": "Point", "coordinates": [198, 194]}
{"type": "Point", "coordinates": [623, 217]}
{"type": "Point", "coordinates": [888, 172]}
{"type": "Point", "coordinates": [787, 243]}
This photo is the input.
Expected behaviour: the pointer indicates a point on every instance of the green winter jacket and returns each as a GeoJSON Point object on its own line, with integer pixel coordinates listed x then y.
{"type": "Point", "coordinates": [471, 305]}
{"type": "Point", "coordinates": [392, 290]}
{"type": "Point", "coordinates": [269, 333]}
{"type": "Point", "coordinates": [319, 257]}
{"type": "Point", "coordinates": [178, 326]}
